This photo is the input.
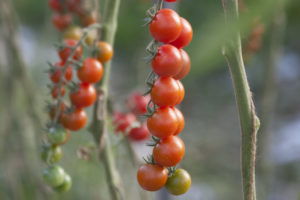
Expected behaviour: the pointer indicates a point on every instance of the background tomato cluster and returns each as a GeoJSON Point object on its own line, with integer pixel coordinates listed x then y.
{"type": "Point", "coordinates": [211, 132]}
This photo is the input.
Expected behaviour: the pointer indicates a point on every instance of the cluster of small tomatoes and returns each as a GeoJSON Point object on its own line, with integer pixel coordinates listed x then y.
{"type": "Point", "coordinates": [67, 117]}
{"type": "Point", "coordinates": [128, 123]}
{"type": "Point", "coordinates": [170, 63]}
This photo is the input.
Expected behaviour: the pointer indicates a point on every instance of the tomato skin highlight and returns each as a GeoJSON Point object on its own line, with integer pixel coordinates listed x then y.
{"type": "Point", "coordinates": [165, 26]}
{"type": "Point", "coordinates": [163, 122]}
{"type": "Point", "coordinates": [91, 71]}
{"type": "Point", "coordinates": [61, 21]}
{"type": "Point", "coordinates": [179, 183]}
{"type": "Point", "coordinates": [186, 65]}
{"type": "Point", "coordinates": [74, 121]}
{"type": "Point", "coordinates": [186, 35]}
{"type": "Point", "coordinates": [66, 51]}
{"type": "Point", "coordinates": [57, 74]}
{"type": "Point", "coordinates": [181, 92]}
{"type": "Point", "coordinates": [152, 177]}
{"type": "Point", "coordinates": [169, 151]}
{"type": "Point", "coordinates": [167, 61]}
{"type": "Point", "coordinates": [105, 51]}
{"type": "Point", "coordinates": [139, 133]}
{"type": "Point", "coordinates": [165, 92]}
{"type": "Point", "coordinates": [180, 119]}
{"type": "Point", "coordinates": [84, 96]}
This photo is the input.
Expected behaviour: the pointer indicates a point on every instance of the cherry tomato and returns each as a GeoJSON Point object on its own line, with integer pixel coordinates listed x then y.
{"type": "Point", "coordinates": [61, 21]}
{"type": "Point", "coordinates": [54, 176]}
{"type": "Point", "coordinates": [73, 32]}
{"type": "Point", "coordinates": [66, 185]}
{"type": "Point", "coordinates": [169, 151]}
{"type": "Point", "coordinates": [165, 92]}
{"type": "Point", "coordinates": [51, 154]}
{"type": "Point", "coordinates": [57, 135]}
{"type": "Point", "coordinates": [56, 5]}
{"type": "Point", "coordinates": [56, 75]}
{"type": "Point", "coordinates": [137, 103]}
{"type": "Point", "coordinates": [54, 92]}
{"type": "Point", "coordinates": [181, 92]}
{"type": "Point", "coordinates": [185, 36]}
{"type": "Point", "coordinates": [167, 61]}
{"type": "Point", "coordinates": [67, 138]}
{"type": "Point", "coordinates": [139, 133]}
{"type": "Point", "coordinates": [75, 6]}
{"type": "Point", "coordinates": [170, 0]}
{"type": "Point", "coordinates": [91, 71]}
{"type": "Point", "coordinates": [88, 19]}
{"type": "Point", "coordinates": [74, 121]}
{"type": "Point", "coordinates": [123, 121]}
{"type": "Point", "coordinates": [179, 183]}
{"type": "Point", "coordinates": [163, 122]}
{"type": "Point", "coordinates": [84, 96]}
{"type": "Point", "coordinates": [180, 119]}
{"type": "Point", "coordinates": [105, 51]}
{"type": "Point", "coordinates": [91, 37]}
{"type": "Point", "coordinates": [66, 51]}
{"type": "Point", "coordinates": [165, 26]}
{"type": "Point", "coordinates": [152, 177]}
{"type": "Point", "coordinates": [186, 65]}
{"type": "Point", "coordinates": [52, 111]}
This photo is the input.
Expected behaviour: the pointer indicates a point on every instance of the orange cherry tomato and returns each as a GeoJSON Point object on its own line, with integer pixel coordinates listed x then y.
{"type": "Point", "coordinates": [105, 51]}
{"type": "Point", "coordinates": [66, 51]}
{"type": "Point", "coordinates": [180, 119]}
{"type": "Point", "coordinates": [57, 74]}
{"type": "Point", "coordinates": [91, 71]}
{"type": "Point", "coordinates": [84, 96]}
{"type": "Point", "coordinates": [75, 120]}
{"type": "Point", "coordinates": [167, 61]}
{"type": "Point", "coordinates": [186, 65]}
{"type": "Point", "coordinates": [165, 92]}
{"type": "Point", "coordinates": [61, 21]}
{"type": "Point", "coordinates": [165, 26]}
{"type": "Point", "coordinates": [152, 177]}
{"type": "Point", "coordinates": [163, 122]}
{"type": "Point", "coordinates": [169, 151]}
{"type": "Point", "coordinates": [185, 36]}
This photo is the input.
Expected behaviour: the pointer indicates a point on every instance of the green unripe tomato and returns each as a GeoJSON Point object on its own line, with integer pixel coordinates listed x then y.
{"type": "Point", "coordinates": [54, 176]}
{"type": "Point", "coordinates": [51, 154]}
{"type": "Point", "coordinates": [57, 135]}
{"type": "Point", "coordinates": [179, 183]}
{"type": "Point", "coordinates": [67, 184]}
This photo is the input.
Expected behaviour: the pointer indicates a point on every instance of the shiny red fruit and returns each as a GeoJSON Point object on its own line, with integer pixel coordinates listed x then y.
{"type": "Point", "coordinates": [123, 121]}
{"type": "Point", "coordinates": [137, 103]}
{"type": "Point", "coordinates": [66, 51]}
{"type": "Point", "coordinates": [84, 96]}
{"type": "Point", "coordinates": [186, 35]}
{"type": "Point", "coordinates": [139, 133]}
{"type": "Point", "coordinates": [186, 65]}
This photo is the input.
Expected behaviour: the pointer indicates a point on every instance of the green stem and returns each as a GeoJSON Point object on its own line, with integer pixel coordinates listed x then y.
{"type": "Point", "coordinates": [248, 120]}
{"type": "Point", "coordinates": [99, 125]}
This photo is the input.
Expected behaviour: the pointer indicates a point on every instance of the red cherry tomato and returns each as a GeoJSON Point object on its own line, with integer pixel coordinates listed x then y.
{"type": "Point", "coordinates": [152, 177]}
{"type": "Point", "coordinates": [139, 133]}
{"type": "Point", "coordinates": [137, 103]}
{"type": "Point", "coordinates": [88, 19]}
{"type": "Point", "coordinates": [186, 65]}
{"type": "Point", "coordinates": [66, 51]}
{"type": "Point", "coordinates": [185, 36]}
{"type": "Point", "coordinates": [75, 120]}
{"type": "Point", "coordinates": [84, 96]}
{"type": "Point", "coordinates": [181, 92]}
{"type": "Point", "coordinates": [165, 92]}
{"type": "Point", "coordinates": [167, 61]}
{"type": "Point", "coordinates": [163, 122]}
{"type": "Point", "coordinates": [56, 5]}
{"type": "Point", "coordinates": [75, 6]}
{"type": "Point", "coordinates": [57, 74]}
{"type": "Point", "coordinates": [54, 92]}
{"type": "Point", "coordinates": [165, 26]}
{"type": "Point", "coordinates": [169, 151]}
{"type": "Point", "coordinates": [61, 21]}
{"type": "Point", "coordinates": [91, 71]}
{"type": "Point", "coordinates": [180, 119]}
{"type": "Point", "coordinates": [170, 0]}
{"type": "Point", "coordinates": [123, 121]}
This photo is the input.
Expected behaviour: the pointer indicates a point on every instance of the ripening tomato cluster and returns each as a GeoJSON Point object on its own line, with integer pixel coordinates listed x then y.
{"type": "Point", "coordinates": [171, 63]}
{"type": "Point", "coordinates": [89, 71]}
{"type": "Point", "coordinates": [128, 123]}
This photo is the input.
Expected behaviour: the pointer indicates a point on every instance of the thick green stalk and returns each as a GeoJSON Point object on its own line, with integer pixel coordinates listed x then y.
{"type": "Point", "coordinates": [99, 126]}
{"type": "Point", "coordinates": [248, 120]}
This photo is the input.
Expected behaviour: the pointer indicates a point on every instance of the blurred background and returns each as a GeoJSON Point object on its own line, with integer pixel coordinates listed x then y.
{"type": "Point", "coordinates": [270, 33]}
